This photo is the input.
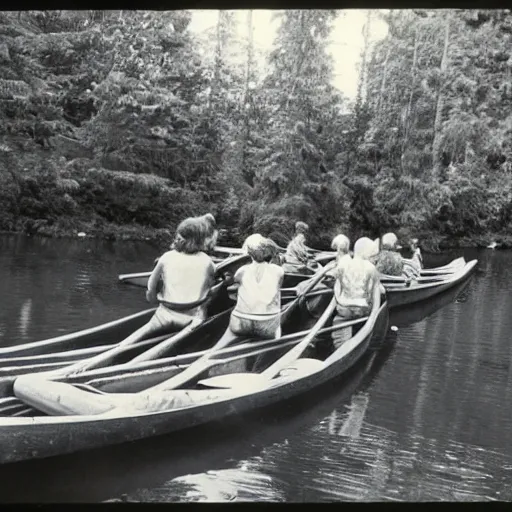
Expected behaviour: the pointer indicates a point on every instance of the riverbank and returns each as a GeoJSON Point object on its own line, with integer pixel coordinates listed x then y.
{"type": "Point", "coordinates": [72, 228]}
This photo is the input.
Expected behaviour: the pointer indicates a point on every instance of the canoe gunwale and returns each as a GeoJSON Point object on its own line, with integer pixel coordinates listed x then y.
{"type": "Point", "coordinates": [400, 295]}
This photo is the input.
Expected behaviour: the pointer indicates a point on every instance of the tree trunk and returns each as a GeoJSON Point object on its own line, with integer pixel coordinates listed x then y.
{"type": "Point", "coordinates": [361, 86]}
{"type": "Point", "coordinates": [380, 100]}
{"type": "Point", "coordinates": [300, 61]}
{"type": "Point", "coordinates": [436, 145]}
{"type": "Point", "coordinates": [407, 120]}
{"type": "Point", "coordinates": [364, 60]}
{"type": "Point", "coordinates": [247, 93]}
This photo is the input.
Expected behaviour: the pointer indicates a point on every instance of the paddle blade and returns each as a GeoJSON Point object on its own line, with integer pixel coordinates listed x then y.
{"type": "Point", "coordinates": [238, 381]}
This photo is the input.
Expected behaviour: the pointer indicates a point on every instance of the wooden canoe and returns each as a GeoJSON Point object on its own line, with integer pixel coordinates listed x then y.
{"type": "Point", "coordinates": [428, 275]}
{"type": "Point", "coordinates": [198, 340]}
{"type": "Point", "coordinates": [59, 352]}
{"type": "Point", "coordinates": [403, 316]}
{"type": "Point", "coordinates": [140, 279]}
{"type": "Point", "coordinates": [210, 447]}
{"type": "Point", "coordinates": [41, 436]}
{"type": "Point", "coordinates": [402, 294]}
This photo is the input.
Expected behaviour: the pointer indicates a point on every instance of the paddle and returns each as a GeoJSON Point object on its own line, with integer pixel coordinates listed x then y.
{"type": "Point", "coordinates": [200, 365]}
{"type": "Point", "coordinates": [263, 379]}
{"type": "Point", "coordinates": [106, 357]}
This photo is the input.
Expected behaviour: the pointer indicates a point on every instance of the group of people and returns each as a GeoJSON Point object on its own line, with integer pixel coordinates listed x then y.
{"type": "Point", "coordinates": [186, 274]}
{"type": "Point", "coordinates": [183, 277]}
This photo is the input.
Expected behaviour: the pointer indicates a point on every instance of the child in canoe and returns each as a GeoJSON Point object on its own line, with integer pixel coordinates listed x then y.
{"type": "Point", "coordinates": [390, 262]}
{"type": "Point", "coordinates": [186, 274]}
{"type": "Point", "coordinates": [208, 227]}
{"type": "Point", "coordinates": [356, 278]}
{"type": "Point", "coordinates": [298, 254]}
{"type": "Point", "coordinates": [258, 308]}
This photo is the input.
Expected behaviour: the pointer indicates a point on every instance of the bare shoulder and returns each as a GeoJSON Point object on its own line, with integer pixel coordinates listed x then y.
{"type": "Point", "coordinates": [277, 269]}
{"type": "Point", "coordinates": [167, 256]}
{"type": "Point", "coordinates": [344, 261]}
{"type": "Point", "coordinates": [370, 266]}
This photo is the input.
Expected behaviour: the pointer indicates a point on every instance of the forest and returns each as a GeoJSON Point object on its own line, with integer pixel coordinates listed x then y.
{"type": "Point", "coordinates": [119, 124]}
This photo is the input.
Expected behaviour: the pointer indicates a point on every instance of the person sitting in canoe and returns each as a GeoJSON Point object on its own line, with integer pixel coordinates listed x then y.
{"type": "Point", "coordinates": [258, 307]}
{"type": "Point", "coordinates": [187, 274]}
{"type": "Point", "coordinates": [298, 254]}
{"type": "Point", "coordinates": [256, 239]}
{"type": "Point", "coordinates": [390, 262]}
{"type": "Point", "coordinates": [211, 232]}
{"type": "Point", "coordinates": [208, 226]}
{"type": "Point", "coordinates": [417, 259]}
{"type": "Point", "coordinates": [340, 244]}
{"type": "Point", "coordinates": [356, 278]}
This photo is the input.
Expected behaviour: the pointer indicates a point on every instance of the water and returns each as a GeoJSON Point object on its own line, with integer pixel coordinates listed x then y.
{"type": "Point", "coordinates": [426, 417]}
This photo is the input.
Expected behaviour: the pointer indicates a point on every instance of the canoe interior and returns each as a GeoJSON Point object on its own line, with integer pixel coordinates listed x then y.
{"type": "Point", "coordinates": [171, 362]}
{"type": "Point", "coordinates": [102, 335]}
{"type": "Point", "coordinates": [126, 380]}
{"type": "Point", "coordinates": [44, 436]}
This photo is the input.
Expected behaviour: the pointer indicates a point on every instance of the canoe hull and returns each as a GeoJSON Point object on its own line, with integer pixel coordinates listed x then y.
{"type": "Point", "coordinates": [402, 295]}
{"type": "Point", "coordinates": [29, 438]}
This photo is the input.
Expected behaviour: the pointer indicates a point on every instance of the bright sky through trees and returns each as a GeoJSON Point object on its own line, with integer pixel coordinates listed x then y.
{"type": "Point", "coordinates": [346, 46]}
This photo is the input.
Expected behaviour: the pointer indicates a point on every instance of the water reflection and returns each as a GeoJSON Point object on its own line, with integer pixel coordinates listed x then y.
{"type": "Point", "coordinates": [25, 313]}
{"type": "Point", "coordinates": [58, 286]}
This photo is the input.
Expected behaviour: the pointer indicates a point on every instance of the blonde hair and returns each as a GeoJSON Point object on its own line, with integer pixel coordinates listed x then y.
{"type": "Point", "coordinates": [365, 248]}
{"type": "Point", "coordinates": [340, 243]}
{"type": "Point", "coordinates": [252, 240]}
{"type": "Point", "coordinates": [389, 241]}
{"type": "Point", "coordinates": [261, 249]}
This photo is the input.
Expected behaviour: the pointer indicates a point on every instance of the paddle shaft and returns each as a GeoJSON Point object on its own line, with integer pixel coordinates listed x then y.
{"type": "Point", "coordinates": [297, 351]}
{"type": "Point", "coordinates": [106, 357]}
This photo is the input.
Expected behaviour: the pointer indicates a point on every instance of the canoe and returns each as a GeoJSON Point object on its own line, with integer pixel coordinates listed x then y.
{"type": "Point", "coordinates": [402, 294]}
{"type": "Point", "coordinates": [38, 436]}
{"type": "Point", "coordinates": [428, 275]}
{"type": "Point", "coordinates": [140, 279]}
{"type": "Point", "coordinates": [144, 464]}
{"type": "Point", "coordinates": [403, 316]}
{"type": "Point", "coordinates": [16, 366]}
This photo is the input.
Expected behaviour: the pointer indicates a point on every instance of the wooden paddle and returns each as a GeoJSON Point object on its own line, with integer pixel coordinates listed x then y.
{"type": "Point", "coordinates": [200, 365]}
{"type": "Point", "coordinates": [106, 357]}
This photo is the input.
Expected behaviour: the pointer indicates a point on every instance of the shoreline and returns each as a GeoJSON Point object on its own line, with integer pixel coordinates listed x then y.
{"type": "Point", "coordinates": [162, 237]}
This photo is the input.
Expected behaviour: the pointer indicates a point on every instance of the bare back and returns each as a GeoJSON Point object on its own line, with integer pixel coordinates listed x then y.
{"type": "Point", "coordinates": [355, 280]}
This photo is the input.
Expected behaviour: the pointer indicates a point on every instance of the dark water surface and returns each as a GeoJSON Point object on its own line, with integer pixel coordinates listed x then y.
{"type": "Point", "coordinates": [425, 417]}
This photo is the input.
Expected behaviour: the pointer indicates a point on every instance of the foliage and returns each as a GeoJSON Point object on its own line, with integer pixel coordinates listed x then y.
{"type": "Point", "coordinates": [126, 118]}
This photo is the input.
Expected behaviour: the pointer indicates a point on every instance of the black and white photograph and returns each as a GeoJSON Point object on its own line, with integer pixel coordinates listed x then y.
{"type": "Point", "coordinates": [255, 255]}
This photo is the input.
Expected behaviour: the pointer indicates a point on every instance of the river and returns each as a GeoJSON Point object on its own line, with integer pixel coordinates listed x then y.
{"type": "Point", "coordinates": [427, 417]}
